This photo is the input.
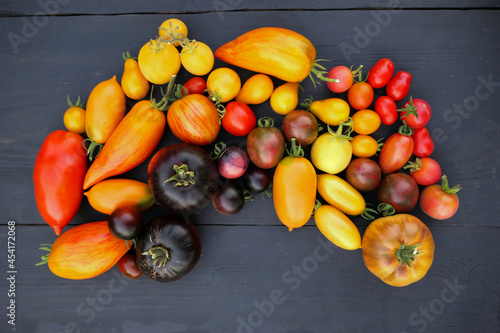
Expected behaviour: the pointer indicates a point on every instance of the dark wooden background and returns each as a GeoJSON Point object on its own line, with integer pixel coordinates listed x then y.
{"type": "Point", "coordinates": [53, 48]}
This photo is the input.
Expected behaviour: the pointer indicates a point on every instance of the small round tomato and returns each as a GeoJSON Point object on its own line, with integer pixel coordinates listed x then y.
{"type": "Point", "coordinates": [301, 125]}
{"type": "Point", "coordinates": [416, 113]}
{"type": "Point", "coordinates": [398, 190]}
{"type": "Point", "coordinates": [74, 117]}
{"type": "Point", "coordinates": [380, 74]}
{"type": "Point", "coordinates": [266, 144]}
{"type": "Point", "coordinates": [158, 61]}
{"type": "Point", "coordinates": [256, 179]}
{"type": "Point", "coordinates": [360, 95]}
{"type": "Point", "coordinates": [232, 162]}
{"type": "Point", "coordinates": [173, 30]}
{"type": "Point", "coordinates": [366, 121]}
{"type": "Point", "coordinates": [195, 85]}
{"type": "Point", "coordinates": [344, 76]}
{"type": "Point", "coordinates": [364, 145]}
{"type": "Point", "coordinates": [256, 90]}
{"type": "Point", "coordinates": [440, 201]}
{"type": "Point", "coordinates": [197, 58]}
{"type": "Point", "coordinates": [125, 222]}
{"type": "Point", "coordinates": [424, 145]}
{"type": "Point", "coordinates": [229, 200]}
{"type": "Point", "coordinates": [128, 266]}
{"type": "Point", "coordinates": [399, 86]}
{"type": "Point", "coordinates": [387, 110]}
{"type": "Point", "coordinates": [238, 119]}
{"type": "Point", "coordinates": [363, 174]}
{"type": "Point", "coordinates": [224, 81]}
{"type": "Point", "coordinates": [285, 98]}
{"type": "Point", "coordinates": [426, 171]}
{"type": "Point", "coordinates": [331, 152]}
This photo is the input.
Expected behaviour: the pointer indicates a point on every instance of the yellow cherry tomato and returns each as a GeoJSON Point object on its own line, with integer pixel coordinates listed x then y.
{"type": "Point", "coordinates": [364, 145]}
{"type": "Point", "coordinates": [331, 111]}
{"type": "Point", "coordinates": [74, 117]}
{"type": "Point", "coordinates": [158, 61]}
{"type": "Point", "coordinates": [173, 30]}
{"type": "Point", "coordinates": [337, 227]}
{"type": "Point", "coordinates": [256, 90]}
{"type": "Point", "coordinates": [224, 81]}
{"type": "Point", "coordinates": [197, 58]}
{"type": "Point", "coordinates": [331, 152]}
{"type": "Point", "coordinates": [134, 84]}
{"type": "Point", "coordinates": [285, 98]}
{"type": "Point", "coordinates": [365, 121]}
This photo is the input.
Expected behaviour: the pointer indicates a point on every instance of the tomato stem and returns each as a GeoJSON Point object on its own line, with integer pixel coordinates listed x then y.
{"type": "Point", "coordinates": [159, 254]}
{"type": "Point", "coordinates": [410, 109]}
{"type": "Point", "coordinates": [182, 177]}
{"type": "Point", "coordinates": [162, 105]}
{"type": "Point", "coordinates": [295, 151]}
{"type": "Point", "coordinates": [386, 209]}
{"type": "Point", "coordinates": [317, 204]}
{"type": "Point", "coordinates": [265, 122]}
{"type": "Point", "coordinates": [446, 187]}
{"type": "Point", "coordinates": [127, 55]}
{"type": "Point", "coordinates": [91, 148]}
{"type": "Point", "coordinates": [307, 102]}
{"type": "Point", "coordinates": [45, 257]}
{"type": "Point", "coordinates": [407, 254]}
{"type": "Point", "coordinates": [414, 166]}
{"type": "Point", "coordinates": [367, 213]}
{"type": "Point", "coordinates": [218, 150]}
{"type": "Point", "coordinates": [320, 73]}
{"type": "Point", "coordinates": [78, 103]}
{"type": "Point", "coordinates": [215, 97]}
{"type": "Point", "coordinates": [344, 130]}
{"type": "Point", "coordinates": [405, 129]}
{"type": "Point", "coordinates": [248, 195]}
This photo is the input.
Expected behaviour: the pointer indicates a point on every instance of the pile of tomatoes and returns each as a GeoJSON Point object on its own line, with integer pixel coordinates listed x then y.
{"type": "Point", "coordinates": [321, 148]}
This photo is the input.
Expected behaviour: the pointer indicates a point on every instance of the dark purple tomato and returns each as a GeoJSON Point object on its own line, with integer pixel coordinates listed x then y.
{"type": "Point", "coordinates": [125, 222]}
{"type": "Point", "coordinates": [230, 199]}
{"type": "Point", "coordinates": [364, 174]}
{"type": "Point", "coordinates": [232, 162]}
{"type": "Point", "coordinates": [265, 144]}
{"type": "Point", "coordinates": [257, 180]}
{"type": "Point", "coordinates": [398, 190]}
{"type": "Point", "coordinates": [128, 266]}
{"type": "Point", "coordinates": [301, 125]}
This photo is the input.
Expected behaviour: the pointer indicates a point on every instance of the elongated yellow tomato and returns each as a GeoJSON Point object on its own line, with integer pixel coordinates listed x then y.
{"type": "Point", "coordinates": [279, 52]}
{"type": "Point", "coordinates": [226, 82]}
{"type": "Point", "coordinates": [197, 58]}
{"type": "Point", "coordinates": [332, 151]}
{"type": "Point", "coordinates": [337, 227]}
{"type": "Point", "coordinates": [134, 84]}
{"type": "Point", "coordinates": [331, 111]}
{"type": "Point", "coordinates": [340, 194]}
{"type": "Point", "coordinates": [256, 90]}
{"type": "Point", "coordinates": [173, 30]}
{"type": "Point", "coordinates": [110, 194]}
{"type": "Point", "coordinates": [285, 98]}
{"type": "Point", "coordinates": [158, 61]}
{"type": "Point", "coordinates": [294, 189]}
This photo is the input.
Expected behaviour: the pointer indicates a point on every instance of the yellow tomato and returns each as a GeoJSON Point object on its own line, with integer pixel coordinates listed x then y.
{"type": "Point", "coordinates": [331, 152]}
{"type": "Point", "coordinates": [256, 90]}
{"type": "Point", "coordinates": [173, 29]}
{"type": "Point", "coordinates": [337, 227]}
{"type": "Point", "coordinates": [197, 58]}
{"type": "Point", "coordinates": [365, 121]}
{"type": "Point", "coordinates": [134, 84]}
{"type": "Point", "coordinates": [331, 111]}
{"type": "Point", "coordinates": [340, 194]}
{"type": "Point", "coordinates": [224, 81]}
{"type": "Point", "coordinates": [285, 98]}
{"type": "Point", "coordinates": [159, 61]}
{"type": "Point", "coordinates": [74, 117]}
{"type": "Point", "coordinates": [364, 145]}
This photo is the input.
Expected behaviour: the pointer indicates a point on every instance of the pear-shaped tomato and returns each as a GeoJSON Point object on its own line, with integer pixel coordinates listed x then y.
{"type": "Point", "coordinates": [224, 82]}
{"type": "Point", "coordinates": [265, 144]}
{"type": "Point", "coordinates": [256, 90]}
{"type": "Point", "coordinates": [332, 151]}
{"type": "Point", "coordinates": [158, 61]}
{"type": "Point", "coordinates": [331, 111]}
{"type": "Point", "coordinates": [134, 84]}
{"type": "Point", "coordinates": [285, 98]}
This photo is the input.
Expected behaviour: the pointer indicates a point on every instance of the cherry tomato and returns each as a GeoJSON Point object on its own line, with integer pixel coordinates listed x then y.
{"type": "Point", "coordinates": [360, 95]}
{"type": "Point", "coordinates": [398, 190]}
{"type": "Point", "coordinates": [364, 174]}
{"type": "Point", "coordinates": [195, 85]}
{"type": "Point", "coordinates": [424, 145]}
{"type": "Point", "coordinates": [230, 199]}
{"type": "Point", "coordinates": [134, 84]}
{"type": "Point", "coordinates": [239, 119]}
{"type": "Point", "coordinates": [416, 112]}
{"type": "Point", "coordinates": [226, 82]}
{"type": "Point", "coordinates": [440, 201]}
{"type": "Point", "coordinates": [426, 171]}
{"type": "Point", "coordinates": [345, 77]}
{"type": "Point", "coordinates": [386, 109]}
{"type": "Point", "coordinates": [158, 61]}
{"type": "Point", "coordinates": [364, 145]}
{"type": "Point", "coordinates": [128, 266]}
{"type": "Point", "coordinates": [173, 29]}
{"type": "Point", "coordinates": [301, 125]}
{"type": "Point", "coordinates": [396, 150]}
{"type": "Point", "coordinates": [256, 179]}
{"type": "Point", "coordinates": [285, 98]}
{"type": "Point", "coordinates": [380, 74]}
{"type": "Point", "coordinates": [365, 121]}
{"type": "Point", "coordinates": [197, 57]}
{"type": "Point", "coordinates": [74, 117]}
{"type": "Point", "coordinates": [256, 90]}
{"type": "Point", "coordinates": [399, 86]}
{"type": "Point", "coordinates": [125, 222]}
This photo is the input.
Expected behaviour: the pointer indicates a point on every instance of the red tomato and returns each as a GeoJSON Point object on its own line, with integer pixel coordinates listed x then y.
{"type": "Point", "coordinates": [398, 190]}
{"type": "Point", "coordinates": [426, 171]}
{"type": "Point", "coordinates": [128, 266]}
{"type": "Point", "coordinates": [380, 74]}
{"type": "Point", "coordinates": [360, 95]}
{"type": "Point", "coordinates": [416, 112]}
{"type": "Point", "coordinates": [399, 86]}
{"type": "Point", "coordinates": [386, 109]}
{"type": "Point", "coordinates": [440, 201]}
{"type": "Point", "coordinates": [396, 151]}
{"type": "Point", "coordinates": [424, 145]}
{"type": "Point", "coordinates": [345, 77]}
{"type": "Point", "coordinates": [239, 119]}
{"type": "Point", "coordinates": [195, 85]}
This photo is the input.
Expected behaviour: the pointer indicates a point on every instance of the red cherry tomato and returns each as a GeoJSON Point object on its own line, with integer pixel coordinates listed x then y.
{"type": "Point", "coordinates": [426, 171]}
{"type": "Point", "coordinates": [416, 112]}
{"type": "Point", "coordinates": [380, 74]}
{"type": "Point", "coordinates": [239, 119]}
{"type": "Point", "coordinates": [386, 109]}
{"type": "Point", "coordinates": [440, 201]}
{"type": "Point", "coordinates": [396, 150]}
{"type": "Point", "coordinates": [345, 77]}
{"type": "Point", "coordinates": [399, 86]}
{"type": "Point", "coordinates": [128, 266]}
{"type": "Point", "coordinates": [424, 145]}
{"type": "Point", "coordinates": [196, 85]}
{"type": "Point", "coordinates": [360, 95]}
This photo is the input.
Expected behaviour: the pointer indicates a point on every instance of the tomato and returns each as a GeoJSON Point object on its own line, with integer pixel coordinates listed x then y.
{"type": "Point", "coordinates": [380, 74]}
{"type": "Point", "coordinates": [158, 61]}
{"type": "Point", "coordinates": [60, 167]}
{"type": "Point", "coordinates": [344, 76]}
{"type": "Point", "coordinates": [195, 85]}
{"type": "Point", "coordinates": [360, 95]}
{"type": "Point", "coordinates": [426, 171]}
{"type": "Point", "coordinates": [424, 145]}
{"type": "Point", "coordinates": [331, 111]}
{"type": "Point", "coordinates": [440, 201]}
{"type": "Point", "coordinates": [225, 82]}
{"type": "Point", "coordinates": [256, 90]}
{"type": "Point", "coordinates": [238, 119]}
{"type": "Point", "coordinates": [294, 189]}
{"type": "Point", "coordinates": [232, 161]}
{"type": "Point", "coordinates": [74, 117]}
{"type": "Point", "coordinates": [265, 144]}
{"type": "Point", "coordinates": [365, 121]}
{"type": "Point", "coordinates": [173, 30]}
{"type": "Point", "coordinates": [364, 146]}
{"type": "Point", "coordinates": [229, 200]}
{"type": "Point", "coordinates": [363, 174]}
{"type": "Point", "coordinates": [256, 180]}
{"type": "Point", "coordinates": [416, 112]}
{"type": "Point", "coordinates": [301, 125]}
{"type": "Point", "coordinates": [285, 98]}
{"type": "Point", "coordinates": [197, 57]}
{"type": "Point", "coordinates": [134, 84]}
{"type": "Point", "coordinates": [337, 227]}
{"type": "Point", "coordinates": [398, 249]}
{"type": "Point", "coordinates": [399, 86]}
{"type": "Point", "coordinates": [125, 222]}
{"type": "Point", "coordinates": [194, 119]}
{"type": "Point", "coordinates": [128, 266]}
{"type": "Point", "coordinates": [386, 109]}
{"type": "Point", "coordinates": [85, 251]}
{"type": "Point", "coordinates": [331, 152]}
{"type": "Point", "coordinates": [340, 194]}
{"type": "Point", "coordinates": [398, 190]}
{"type": "Point", "coordinates": [396, 150]}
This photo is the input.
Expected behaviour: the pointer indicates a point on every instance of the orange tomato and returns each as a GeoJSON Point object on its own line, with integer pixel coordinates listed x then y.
{"type": "Point", "coordinates": [134, 84]}
{"type": "Point", "coordinates": [365, 121]}
{"type": "Point", "coordinates": [173, 30]}
{"type": "Point", "coordinates": [74, 117]}
{"type": "Point", "coordinates": [224, 81]}
{"type": "Point", "coordinates": [158, 61]}
{"type": "Point", "coordinates": [197, 58]}
{"type": "Point", "coordinates": [364, 146]}
{"type": "Point", "coordinates": [284, 98]}
{"type": "Point", "coordinates": [256, 90]}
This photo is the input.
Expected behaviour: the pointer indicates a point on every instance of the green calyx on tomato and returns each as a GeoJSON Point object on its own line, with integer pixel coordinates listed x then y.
{"type": "Point", "coordinates": [182, 177]}
{"type": "Point", "coordinates": [409, 109]}
{"type": "Point", "coordinates": [320, 72]}
{"type": "Point", "coordinates": [407, 254]}
{"type": "Point", "coordinates": [367, 213]}
{"type": "Point", "coordinates": [405, 129]}
{"type": "Point", "coordinates": [169, 96]}
{"type": "Point", "coordinates": [446, 187]}
{"type": "Point", "coordinates": [343, 131]}
{"type": "Point", "coordinates": [414, 166]}
{"type": "Point", "coordinates": [127, 55]}
{"type": "Point", "coordinates": [295, 150]}
{"type": "Point", "coordinates": [159, 254]}
{"type": "Point", "coordinates": [216, 98]}
{"type": "Point", "coordinates": [386, 209]}
{"type": "Point", "coordinates": [265, 122]}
